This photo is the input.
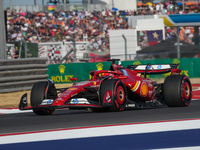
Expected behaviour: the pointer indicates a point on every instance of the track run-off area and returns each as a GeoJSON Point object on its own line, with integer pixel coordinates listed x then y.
{"type": "Point", "coordinates": [159, 128]}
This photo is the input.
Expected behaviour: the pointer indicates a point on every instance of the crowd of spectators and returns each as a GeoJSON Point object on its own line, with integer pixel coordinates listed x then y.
{"type": "Point", "coordinates": [35, 27]}
{"type": "Point", "coordinates": [186, 34]}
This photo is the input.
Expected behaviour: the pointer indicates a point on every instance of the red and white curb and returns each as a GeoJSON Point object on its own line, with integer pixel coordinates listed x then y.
{"type": "Point", "coordinates": [97, 131]}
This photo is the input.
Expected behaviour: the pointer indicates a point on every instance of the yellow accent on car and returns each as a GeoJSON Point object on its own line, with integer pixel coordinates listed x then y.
{"type": "Point", "coordinates": [136, 84]}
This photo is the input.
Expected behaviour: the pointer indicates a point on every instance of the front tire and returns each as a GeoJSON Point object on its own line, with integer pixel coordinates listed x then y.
{"type": "Point", "coordinates": [38, 93]}
{"type": "Point", "coordinates": [113, 94]}
{"type": "Point", "coordinates": [177, 91]}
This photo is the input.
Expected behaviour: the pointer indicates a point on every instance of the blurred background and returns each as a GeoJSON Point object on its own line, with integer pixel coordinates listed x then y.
{"type": "Point", "coordinates": [67, 31]}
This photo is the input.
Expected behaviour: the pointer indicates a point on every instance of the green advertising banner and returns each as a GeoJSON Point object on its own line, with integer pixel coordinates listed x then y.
{"type": "Point", "coordinates": [61, 73]}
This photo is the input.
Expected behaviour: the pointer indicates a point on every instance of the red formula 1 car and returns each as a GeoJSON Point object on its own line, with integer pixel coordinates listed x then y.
{"type": "Point", "coordinates": [115, 89]}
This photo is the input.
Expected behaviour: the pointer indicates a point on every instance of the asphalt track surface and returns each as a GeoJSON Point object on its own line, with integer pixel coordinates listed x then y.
{"type": "Point", "coordinates": [28, 122]}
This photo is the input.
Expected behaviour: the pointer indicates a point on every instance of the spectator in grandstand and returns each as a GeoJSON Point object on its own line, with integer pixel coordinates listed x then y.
{"type": "Point", "coordinates": [41, 26]}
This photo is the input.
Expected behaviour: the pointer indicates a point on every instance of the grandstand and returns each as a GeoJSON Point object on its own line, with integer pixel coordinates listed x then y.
{"type": "Point", "coordinates": [85, 31]}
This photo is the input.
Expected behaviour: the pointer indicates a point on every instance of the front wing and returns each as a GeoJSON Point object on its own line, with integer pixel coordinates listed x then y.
{"type": "Point", "coordinates": [47, 103]}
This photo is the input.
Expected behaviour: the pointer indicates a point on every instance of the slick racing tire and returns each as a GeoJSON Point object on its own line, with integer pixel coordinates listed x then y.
{"type": "Point", "coordinates": [113, 94]}
{"type": "Point", "coordinates": [38, 95]}
{"type": "Point", "coordinates": [177, 91]}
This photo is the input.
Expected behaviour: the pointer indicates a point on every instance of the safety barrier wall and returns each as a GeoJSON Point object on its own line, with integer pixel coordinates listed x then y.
{"type": "Point", "coordinates": [61, 73]}
{"type": "Point", "coordinates": [21, 74]}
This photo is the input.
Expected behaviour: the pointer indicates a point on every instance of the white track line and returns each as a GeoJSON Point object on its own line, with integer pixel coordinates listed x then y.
{"type": "Point", "coordinates": [13, 111]}
{"type": "Point", "coordinates": [136, 128]}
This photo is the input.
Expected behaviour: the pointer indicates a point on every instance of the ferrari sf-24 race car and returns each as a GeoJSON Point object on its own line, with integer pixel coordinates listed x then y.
{"type": "Point", "coordinates": [115, 89]}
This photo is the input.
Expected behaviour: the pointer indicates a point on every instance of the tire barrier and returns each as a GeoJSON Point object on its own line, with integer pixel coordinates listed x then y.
{"type": "Point", "coordinates": [21, 74]}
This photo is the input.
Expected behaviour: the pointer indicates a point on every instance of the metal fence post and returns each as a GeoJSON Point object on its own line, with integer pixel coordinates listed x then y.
{"type": "Point", "coordinates": [2, 32]}
{"type": "Point", "coordinates": [178, 48]}
{"type": "Point", "coordinates": [74, 47]}
{"type": "Point", "coordinates": [178, 44]}
{"type": "Point", "coordinates": [125, 46]}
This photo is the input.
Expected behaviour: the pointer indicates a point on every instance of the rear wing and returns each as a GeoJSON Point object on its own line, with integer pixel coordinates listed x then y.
{"type": "Point", "coordinates": [155, 69]}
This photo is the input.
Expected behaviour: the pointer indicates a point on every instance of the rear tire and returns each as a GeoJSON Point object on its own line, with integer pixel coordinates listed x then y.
{"type": "Point", "coordinates": [38, 93]}
{"type": "Point", "coordinates": [113, 94]}
{"type": "Point", "coordinates": [177, 91]}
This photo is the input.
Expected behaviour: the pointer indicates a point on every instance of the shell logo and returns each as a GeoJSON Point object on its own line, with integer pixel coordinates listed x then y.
{"type": "Point", "coordinates": [99, 66]}
{"type": "Point", "coordinates": [62, 69]}
{"type": "Point", "coordinates": [143, 89]}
